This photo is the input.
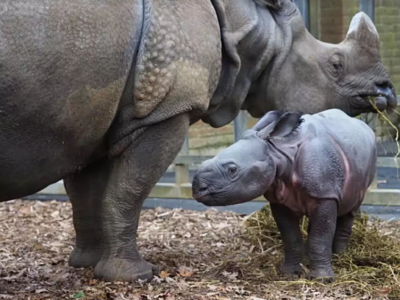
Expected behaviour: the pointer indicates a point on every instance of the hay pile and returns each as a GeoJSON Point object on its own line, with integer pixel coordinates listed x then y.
{"type": "Point", "coordinates": [370, 267]}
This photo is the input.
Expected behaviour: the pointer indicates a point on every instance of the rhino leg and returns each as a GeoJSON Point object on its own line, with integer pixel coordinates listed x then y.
{"type": "Point", "coordinates": [343, 231]}
{"type": "Point", "coordinates": [132, 176]}
{"type": "Point", "coordinates": [85, 190]}
{"type": "Point", "coordinates": [320, 240]}
{"type": "Point", "coordinates": [306, 250]}
{"type": "Point", "coordinates": [288, 225]}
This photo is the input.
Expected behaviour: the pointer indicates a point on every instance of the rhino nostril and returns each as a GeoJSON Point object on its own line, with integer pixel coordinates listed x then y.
{"type": "Point", "coordinates": [384, 89]}
{"type": "Point", "coordinates": [202, 189]}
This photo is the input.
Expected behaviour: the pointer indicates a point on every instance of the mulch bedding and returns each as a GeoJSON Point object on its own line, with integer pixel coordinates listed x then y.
{"type": "Point", "coordinates": [202, 255]}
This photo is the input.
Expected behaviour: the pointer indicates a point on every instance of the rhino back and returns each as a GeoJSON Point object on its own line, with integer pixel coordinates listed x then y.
{"type": "Point", "coordinates": [63, 67]}
{"type": "Point", "coordinates": [180, 58]}
{"type": "Point", "coordinates": [344, 150]}
{"type": "Point", "coordinates": [177, 70]}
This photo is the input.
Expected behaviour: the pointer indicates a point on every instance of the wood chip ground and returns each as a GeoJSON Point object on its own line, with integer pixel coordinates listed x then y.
{"type": "Point", "coordinates": [202, 255]}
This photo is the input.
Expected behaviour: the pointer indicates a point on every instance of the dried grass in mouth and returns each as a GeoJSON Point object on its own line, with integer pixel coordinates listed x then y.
{"type": "Point", "coordinates": [384, 118]}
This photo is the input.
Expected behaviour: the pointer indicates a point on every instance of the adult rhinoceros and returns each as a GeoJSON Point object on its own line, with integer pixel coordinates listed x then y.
{"type": "Point", "coordinates": [102, 93]}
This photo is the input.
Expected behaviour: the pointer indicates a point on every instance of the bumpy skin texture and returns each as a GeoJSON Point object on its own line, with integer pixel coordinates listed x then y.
{"type": "Point", "coordinates": [101, 94]}
{"type": "Point", "coordinates": [63, 71]}
{"type": "Point", "coordinates": [71, 84]}
{"type": "Point", "coordinates": [319, 166]}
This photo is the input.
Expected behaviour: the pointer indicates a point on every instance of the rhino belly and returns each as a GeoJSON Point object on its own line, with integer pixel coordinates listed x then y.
{"type": "Point", "coordinates": [63, 68]}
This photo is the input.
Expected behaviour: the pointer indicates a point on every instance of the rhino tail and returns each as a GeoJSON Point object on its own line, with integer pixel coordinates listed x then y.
{"type": "Point", "coordinates": [144, 8]}
{"type": "Point", "coordinates": [116, 141]}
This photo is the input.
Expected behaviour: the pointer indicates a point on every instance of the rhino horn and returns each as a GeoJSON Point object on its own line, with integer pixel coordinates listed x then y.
{"type": "Point", "coordinates": [363, 30]}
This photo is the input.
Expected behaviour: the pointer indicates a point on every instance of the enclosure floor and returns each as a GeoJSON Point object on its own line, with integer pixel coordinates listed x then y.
{"type": "Point", "coordinates": [198, 253]}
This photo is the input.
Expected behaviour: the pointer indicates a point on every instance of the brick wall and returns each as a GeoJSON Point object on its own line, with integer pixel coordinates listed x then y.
{"type": "Point", "coordinates": [205, 140]}
{"type": "Point", "coordinates": [333, 19]}
{"type": "Point", "coordinates": [387, 21]}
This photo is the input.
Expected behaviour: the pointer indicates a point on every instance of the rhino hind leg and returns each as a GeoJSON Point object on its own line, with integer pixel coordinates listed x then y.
{"type": "Point", "coordinates": [292, 239]}
{"type": "Point", "coordinates": [342, 234]}
{"type": "Point", "coordinates": [85, 190]}
{"type": "Point", "coordinates": [320, 240]}
{"type": "Point", "coordinates": [132, 176]}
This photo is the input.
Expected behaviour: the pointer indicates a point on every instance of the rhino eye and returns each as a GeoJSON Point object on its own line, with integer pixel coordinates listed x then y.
{"type": "Point", "coordinates": [232, 170]}
{"type": "Point", "coordinates": [336, 65]}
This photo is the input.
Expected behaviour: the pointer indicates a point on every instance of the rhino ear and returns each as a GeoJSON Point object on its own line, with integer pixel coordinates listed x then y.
{"type": "Point", "coordinates": [267, 119]}
{"type": "Point", "coordinates": [363, 30]}
{"type": "Point", "coordinates": [286, 124]}
{"type": "Point", "coordinates": [266, 131]}
{"type": "Point", "coordinates": [275, 4]}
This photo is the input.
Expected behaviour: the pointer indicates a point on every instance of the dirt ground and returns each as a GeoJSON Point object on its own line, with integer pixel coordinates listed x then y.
{"type": "Point", "coordinates": [202, 255]}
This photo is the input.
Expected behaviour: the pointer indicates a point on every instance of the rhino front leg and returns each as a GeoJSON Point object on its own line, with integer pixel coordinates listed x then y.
{"type": "Point", "coordinates": [320, 240]}
{"type": "Point", "coordinates": [85, 190]}
{"type": "Point", "coordinates": [132, 176]}
{"type": "Point", "coordinates": [343, 231]}
{"type": "Point", "coordinates": [288, 225]}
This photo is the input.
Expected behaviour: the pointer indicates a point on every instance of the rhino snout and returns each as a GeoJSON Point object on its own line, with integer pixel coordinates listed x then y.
{"type": "Point", "coordinates": [202, 190]}
{"type": "Point", "coordinates": [199, 188]}
{"type": "Point", "coordinates": [387, 99]}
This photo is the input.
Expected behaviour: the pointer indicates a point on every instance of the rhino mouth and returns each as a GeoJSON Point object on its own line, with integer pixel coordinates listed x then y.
{"type": "Point", "coordinates": [382, 98]}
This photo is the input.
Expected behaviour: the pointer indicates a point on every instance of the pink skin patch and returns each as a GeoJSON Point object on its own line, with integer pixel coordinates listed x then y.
{"type": "Point", "coordinates": [346, 189]}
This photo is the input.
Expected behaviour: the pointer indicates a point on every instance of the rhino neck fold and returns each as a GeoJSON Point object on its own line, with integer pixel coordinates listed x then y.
{"type": "Point", "coordinates": [256, 102]}
{"type": "Point", "coordinates": [250, 38]}
{"type": "Point", "coordinates": [284, 159]}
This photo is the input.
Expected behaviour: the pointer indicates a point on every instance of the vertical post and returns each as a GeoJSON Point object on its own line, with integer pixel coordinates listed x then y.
{"type": "Point", "coordinates": [303, 7]}
{"type": "Point", "coordinates": [368, 7]}
{"type": "Point", "coordinates": [240, 125]}
{"type": "Point", "coordinates": [314, 17]}
{"type": "Point", "coordinates": [182, 170]}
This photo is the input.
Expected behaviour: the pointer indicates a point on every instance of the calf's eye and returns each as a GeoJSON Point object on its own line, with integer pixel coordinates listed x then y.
{"type": "Point", "coordinates": [232, 170]}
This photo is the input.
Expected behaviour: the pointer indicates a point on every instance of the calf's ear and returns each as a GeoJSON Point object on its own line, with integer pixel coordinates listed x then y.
{"type": "Point", "coordinates": [267, 119]}
{"type": "Point", "coordinates": [266, 131]}
{"type": "Point", "coordinates": [286, 124]}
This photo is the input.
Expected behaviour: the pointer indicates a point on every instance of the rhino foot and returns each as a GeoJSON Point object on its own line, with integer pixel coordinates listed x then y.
{"type": "Point", "coordinates": [325, 275]}
{"type": "Point", "coordinates": [339, 247]}
{"type": "Point", "coordinates": [84, 258]}
{"type": "Point", "coordinates": [292, 270]}
{"type": "Point", "coordinates": [117, 269]}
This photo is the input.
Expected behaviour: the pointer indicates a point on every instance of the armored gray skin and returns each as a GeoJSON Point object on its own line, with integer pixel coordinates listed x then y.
{"type": "Point", "coordinates": [319, 166]}
{"type": "Point", "coordinates": [102, 93]}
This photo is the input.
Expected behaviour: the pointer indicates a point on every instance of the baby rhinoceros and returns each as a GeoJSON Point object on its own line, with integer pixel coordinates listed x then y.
{"type": "Point", "coordinates": [319, 166]}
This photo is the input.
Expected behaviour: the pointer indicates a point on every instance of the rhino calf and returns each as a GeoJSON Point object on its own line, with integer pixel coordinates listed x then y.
{"type": "Point", "coordinates": [316, 165]}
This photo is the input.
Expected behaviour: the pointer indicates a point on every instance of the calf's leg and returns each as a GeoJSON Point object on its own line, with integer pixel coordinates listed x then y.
{"type": "Point", "coordinates": [320, 240]}
{"type": "Point", "coordinates": [342, 234]}
{"type": "Point", "coordinates": [288, 225]}
{"type": "Point", "coordinates": [131, 177]}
